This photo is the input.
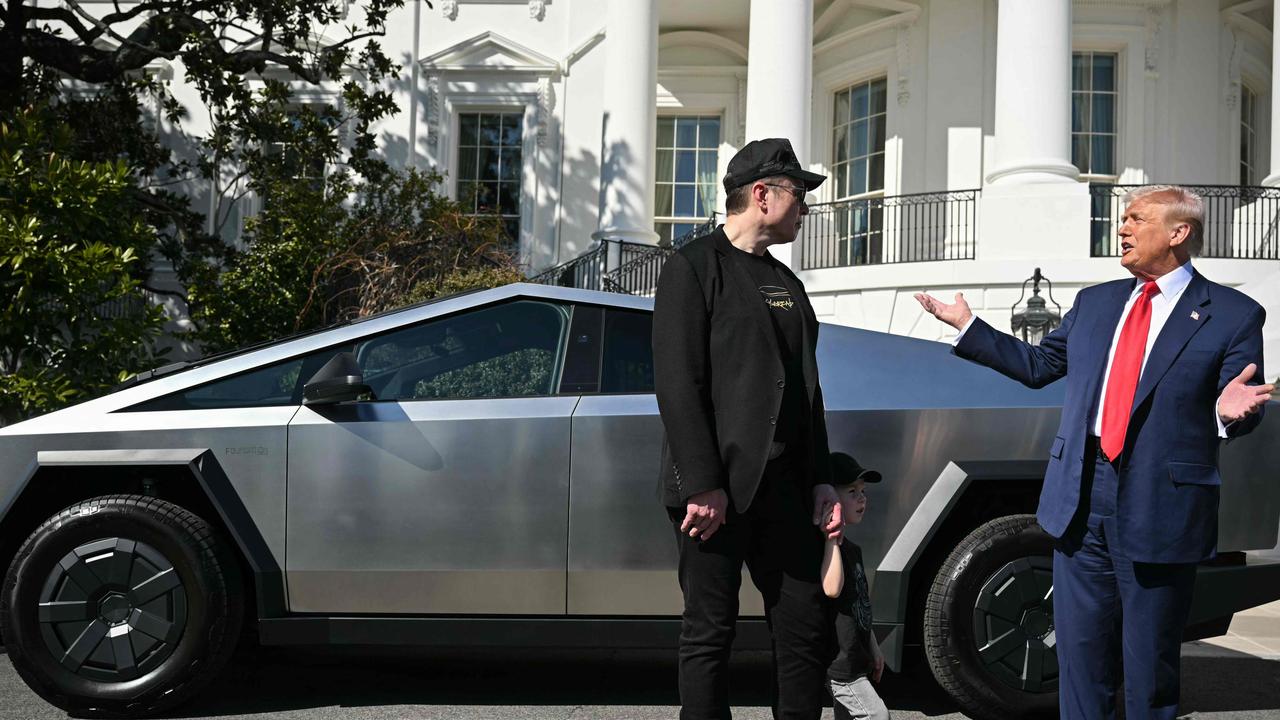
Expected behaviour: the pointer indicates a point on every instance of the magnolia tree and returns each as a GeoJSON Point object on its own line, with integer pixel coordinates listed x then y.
{"type": "Point", "coordinates": [325, 245]}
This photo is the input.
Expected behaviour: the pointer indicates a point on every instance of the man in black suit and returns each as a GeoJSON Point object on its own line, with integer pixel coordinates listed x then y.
{"type": "Point", "coordinates": [745, 473]}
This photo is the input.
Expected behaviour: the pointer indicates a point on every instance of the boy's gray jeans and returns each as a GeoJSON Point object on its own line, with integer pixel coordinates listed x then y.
{"type": "Point", "coordinates": [857, 700]}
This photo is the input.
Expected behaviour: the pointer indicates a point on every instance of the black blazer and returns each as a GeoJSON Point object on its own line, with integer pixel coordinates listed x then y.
{"type": "Point", "coordinates": [720, 378]}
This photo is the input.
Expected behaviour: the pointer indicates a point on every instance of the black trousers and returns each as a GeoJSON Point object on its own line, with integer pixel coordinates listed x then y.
{"type": "Point", "coordinates": [782, 549]}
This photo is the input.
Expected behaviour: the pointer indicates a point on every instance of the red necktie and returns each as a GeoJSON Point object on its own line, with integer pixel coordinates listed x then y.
{"type": "Point", "coordinates": [1122, 383]}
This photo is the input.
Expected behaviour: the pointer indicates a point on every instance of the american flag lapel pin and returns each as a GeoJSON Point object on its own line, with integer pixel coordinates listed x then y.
{"type": "Point", "coordinates": [1195, 315]}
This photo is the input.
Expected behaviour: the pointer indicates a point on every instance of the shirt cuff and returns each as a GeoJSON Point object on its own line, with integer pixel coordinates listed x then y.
{"type": "Point", "coordinates": [1222, 429]}
{"type": "Point", "coordinates": [964, 330]}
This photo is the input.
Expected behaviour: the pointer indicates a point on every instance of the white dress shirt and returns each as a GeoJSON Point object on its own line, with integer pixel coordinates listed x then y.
{"type": "Point", "coordinates": [1172, 285]}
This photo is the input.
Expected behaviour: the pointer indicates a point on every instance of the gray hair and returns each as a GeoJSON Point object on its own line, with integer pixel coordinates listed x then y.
{"type": "Point", "coordinates": [1181, 206]}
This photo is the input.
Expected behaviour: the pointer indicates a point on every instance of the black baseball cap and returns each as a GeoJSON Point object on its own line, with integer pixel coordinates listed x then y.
{"type": "Point", "coordinates": [845, 470]}
{"type": "Point", "coordinates": [767, 158]}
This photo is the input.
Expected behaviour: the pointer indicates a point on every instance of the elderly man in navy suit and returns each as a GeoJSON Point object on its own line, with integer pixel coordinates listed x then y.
{"type": "Point", "coordinates": [1158, 371]}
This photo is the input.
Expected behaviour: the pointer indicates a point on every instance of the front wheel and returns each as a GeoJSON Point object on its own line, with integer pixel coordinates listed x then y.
{"type": "Point", "coordinates": [121, 606]}
{"type": "Point", "coordinates": [988, 622]}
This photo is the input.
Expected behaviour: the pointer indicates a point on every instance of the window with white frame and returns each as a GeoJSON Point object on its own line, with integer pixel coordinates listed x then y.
{"type": "Point", "coordinates": [858, 138]}
{"type": "Point", "coordinates": [490, 149]}
{"type": "Point", "coordinates": [1248, 136]}
{"type": "Point", "coordinates": [685, 165]}
{"type": "Point", "coordinates": [1094, 111]}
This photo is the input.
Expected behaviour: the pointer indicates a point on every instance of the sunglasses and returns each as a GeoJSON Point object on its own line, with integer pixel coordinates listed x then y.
{"type": "Point", "coordinates": [796, 192]}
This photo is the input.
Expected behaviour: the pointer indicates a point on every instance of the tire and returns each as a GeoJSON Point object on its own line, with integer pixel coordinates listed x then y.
{"type": "Point", "coordinates": [988, 622]}
{"type": "Point", "coordinates": [121, 606]}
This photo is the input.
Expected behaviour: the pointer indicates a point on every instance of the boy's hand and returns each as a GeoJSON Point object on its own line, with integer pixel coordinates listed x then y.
{"type": "Point", "coordinates": [826, 510]}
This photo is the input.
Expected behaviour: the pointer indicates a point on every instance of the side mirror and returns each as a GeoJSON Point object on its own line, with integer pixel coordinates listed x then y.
{"type": "Point", "coordinates": [338, 381]}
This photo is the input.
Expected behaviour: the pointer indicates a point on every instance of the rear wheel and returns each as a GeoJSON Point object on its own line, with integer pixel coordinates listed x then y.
{"type": "Point", "coordinates": [121, 605]}
{"type": "Point", "coordinates": [988, 622]}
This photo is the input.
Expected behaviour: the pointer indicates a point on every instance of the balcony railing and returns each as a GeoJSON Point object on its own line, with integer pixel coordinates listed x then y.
{"type": "Point", "coordinates": [1239, 221]}
{"type": "Point", "coordinates": [633, 268]}
{"type": "Point", "coordinates": [893, 229]}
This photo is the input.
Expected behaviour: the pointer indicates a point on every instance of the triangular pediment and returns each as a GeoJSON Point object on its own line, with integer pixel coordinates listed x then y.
{"type": "Point", "coordinates": [491, 51]}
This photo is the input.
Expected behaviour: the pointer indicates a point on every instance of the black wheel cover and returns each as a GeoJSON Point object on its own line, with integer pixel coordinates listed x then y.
{"type": "Point", "coordinates": [1013, 625]}
{"type": "Point", "coordinates": [112, 610]}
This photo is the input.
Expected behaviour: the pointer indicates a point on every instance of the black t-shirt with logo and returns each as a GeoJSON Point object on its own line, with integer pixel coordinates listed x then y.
{"type": "Point", "coordinates": [853, 620]}
{"type": "Point", "coordinates": [788, 324]}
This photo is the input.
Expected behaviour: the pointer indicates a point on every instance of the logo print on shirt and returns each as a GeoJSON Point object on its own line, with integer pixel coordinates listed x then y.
{"type": "Point", "coordinates": [777, 297]}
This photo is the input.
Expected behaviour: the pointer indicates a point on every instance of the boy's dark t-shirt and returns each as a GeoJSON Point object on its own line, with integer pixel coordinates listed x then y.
{"type": "Point", "coordinates": [788, 323]}
{"type": "Point", "coordinates": [853, 620]}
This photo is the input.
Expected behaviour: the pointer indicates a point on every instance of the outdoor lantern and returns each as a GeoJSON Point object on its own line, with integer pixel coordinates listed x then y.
{"type": "Point", "coordinates": [1035, 320]}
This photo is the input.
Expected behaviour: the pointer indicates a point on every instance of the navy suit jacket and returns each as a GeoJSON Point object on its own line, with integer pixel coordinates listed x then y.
{"type": "Point", "coordinates": [1167, 507]}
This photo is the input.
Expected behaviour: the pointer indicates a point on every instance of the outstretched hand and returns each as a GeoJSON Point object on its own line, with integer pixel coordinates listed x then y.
{"type": "Point", "coordinates": [956, 314]}
{"type": "Point", "coordinates": [1240, 400]}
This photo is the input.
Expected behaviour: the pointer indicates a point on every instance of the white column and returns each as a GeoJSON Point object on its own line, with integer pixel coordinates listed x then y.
{"type": "Point", "coordinates": [1033, 93]}
{"type": "Point", "coordinates": [1273, 179]}
{"type": "Point", "coordinates": [780, 78]}
{"type": "Point", "coordinates": [630, 123]}
{"type": "Point", "coordinates": [1033, 209]}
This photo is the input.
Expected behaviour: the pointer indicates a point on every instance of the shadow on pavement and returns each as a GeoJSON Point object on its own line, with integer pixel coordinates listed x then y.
{"type": "Point", "coordinates": [1229, 682]}
{"type": "Point", "coordinates": [275, 680]}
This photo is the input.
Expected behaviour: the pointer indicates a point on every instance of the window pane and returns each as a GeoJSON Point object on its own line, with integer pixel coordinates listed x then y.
{"type": "Point", "coordinates": [666, 132]}
{"type": "Point", "coordinates": [860, 142]}
{"type": "Point", "coordinates": [512, 124]}
{"type": "Point", "coordinates": [488, 163]}
{"type": "Point", "coordinates": [879, 91]}
{"type": "Point", "coordinates": [666, 166]}
{"type": "Point", "coordinates": [1080, 152]}
{"type": "Point", "coordinates": [685, 200]}
{"type": "Point", "coordinates": [875, 175]}
{"type": "Point", "coordinates": [1104, 113]}
{"type": "Point", "coordinates": [877, 133]}
{"type": "Point", "coordinates": [842, 142]}
{"type": "Point", "coordinates": [270, 386]}
{"type": "Point", "coordinates": [1079, 112]}
{"type": "Point", "coordinates": [627, 365]}
{"type": "Point", "coordinates": [1103, 154]}
{"type": "Point", "coordinates": [685, 171]}
{"type": "Point", "coordinates": [842, 109]}
{"type": "Point", "coordinates": [486, 197]}
{"type": "Point", "coordinates": [468, 128]}
{"type": "Point", "coordinates": [509, 198]}
{"type": "Point", "coordinates": [687, 132]}
{"type": "Point", "coordinates": [663, 203]}
{"type": "Point", "coordinates": [709, 132]}
{"type": "Point", "coordinates": [1080, 71]}
{"type": "Point", "coordinates": [510, 159]}
{"type": "Point", "coordinates": [858, 181]}
{"type": "Point", "coordinates": [842, 180]}
{"type": "Point", "coordinates": [706, 164]}
{"type": "Point", "coordinates": [1104, 73]}
{"type": "Point", "coordinates": [861, 102]}
{"type": "Point", "coordinates": [466, 164]}
{"type": "Point", "coordinates": [504, 351]}
{"type": "Point", "coordinates": [490, 129]}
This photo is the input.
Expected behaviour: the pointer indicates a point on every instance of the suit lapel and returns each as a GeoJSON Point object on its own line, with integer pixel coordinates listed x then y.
{"type": "Point", "coordinates": [740, 279]}
{"type": "Point", "coordinates": [1100, 335]}
{"type": "Point", "coordinates": [1177, 331]}
{"type": "Point", "coordinates": [809, 326]}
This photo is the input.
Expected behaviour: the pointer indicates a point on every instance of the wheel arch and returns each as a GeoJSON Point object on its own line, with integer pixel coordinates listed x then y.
{"type": "Point", "coordinates": [189, 477]}
{"type": "Point", "coordinates": [963, 496]}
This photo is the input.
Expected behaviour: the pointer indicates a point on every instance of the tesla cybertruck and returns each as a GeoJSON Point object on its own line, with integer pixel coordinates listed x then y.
{"type": "Point", "coordinates": [482, 469]}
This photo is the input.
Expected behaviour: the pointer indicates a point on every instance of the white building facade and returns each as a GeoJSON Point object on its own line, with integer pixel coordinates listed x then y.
{"type": "Point", "coordinates": [967, 142]}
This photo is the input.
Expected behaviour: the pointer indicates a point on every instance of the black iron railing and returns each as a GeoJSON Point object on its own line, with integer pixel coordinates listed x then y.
{"type": "Point", "coordinates": [1239, 221]}
{"type": "Point", "coordinates": [893, 229]}
{"type": "Point", "coordinates": [618, 265]}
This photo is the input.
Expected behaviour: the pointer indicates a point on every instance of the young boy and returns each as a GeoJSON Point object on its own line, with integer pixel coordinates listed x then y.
{"type": "Point", "coordinates": [859, 661]}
